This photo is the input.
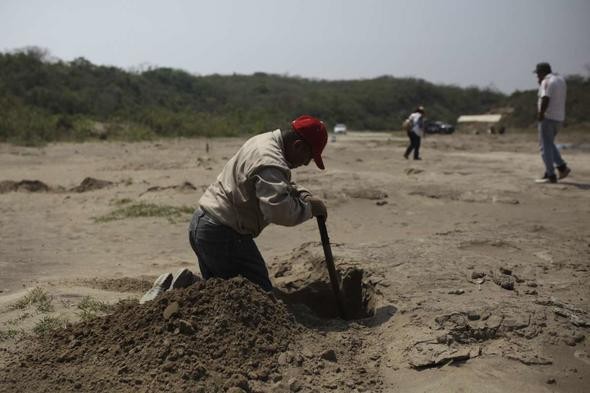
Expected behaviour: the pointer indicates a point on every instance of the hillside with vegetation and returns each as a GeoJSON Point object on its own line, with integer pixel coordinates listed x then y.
{"type": "Point", "coordinates": [44, 99]}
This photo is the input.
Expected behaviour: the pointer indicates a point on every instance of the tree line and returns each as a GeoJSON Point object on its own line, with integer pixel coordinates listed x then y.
{"type": "Point", "coordinates": [44, 99]}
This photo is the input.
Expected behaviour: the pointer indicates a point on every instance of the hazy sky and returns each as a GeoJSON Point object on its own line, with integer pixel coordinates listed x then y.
{"type": "Point", "coordinates": [462, 42]}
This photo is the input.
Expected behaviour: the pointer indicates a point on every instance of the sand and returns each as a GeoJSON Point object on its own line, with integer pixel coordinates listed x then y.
{"type": "Point", "coordinates": [476, 276]}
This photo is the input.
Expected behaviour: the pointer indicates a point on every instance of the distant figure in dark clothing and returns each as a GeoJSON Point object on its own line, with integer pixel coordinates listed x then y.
{"type": "Point", "coordinates": [415, 133]}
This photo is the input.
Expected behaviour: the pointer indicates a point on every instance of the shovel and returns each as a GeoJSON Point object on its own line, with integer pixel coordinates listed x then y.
{"type": "Point", "coordinates": [330, 265]}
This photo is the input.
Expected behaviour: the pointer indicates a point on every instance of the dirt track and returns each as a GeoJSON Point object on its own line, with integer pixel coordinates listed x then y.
{"type": "Point", "coordinates": [441, 240]}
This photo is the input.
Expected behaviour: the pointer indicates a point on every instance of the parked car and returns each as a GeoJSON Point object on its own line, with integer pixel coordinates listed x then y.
{"type": "Point", "coordinates": [438, 127]}
{"type": "Point", "coordinates": [340, 128]}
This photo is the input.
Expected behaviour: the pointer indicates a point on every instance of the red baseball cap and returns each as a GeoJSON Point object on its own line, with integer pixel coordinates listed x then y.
{"type": "Point", "coordinates": [314, 132]}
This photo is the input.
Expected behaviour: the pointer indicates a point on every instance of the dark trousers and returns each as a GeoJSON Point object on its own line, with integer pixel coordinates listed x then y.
{"type": "Point", "coordinates": [414, 145]}
{"type": "Point", "coordinates": [224, 253]}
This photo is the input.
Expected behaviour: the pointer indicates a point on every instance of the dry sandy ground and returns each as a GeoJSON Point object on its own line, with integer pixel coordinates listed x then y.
{"type": "Point", "coordinates": [431, 235]}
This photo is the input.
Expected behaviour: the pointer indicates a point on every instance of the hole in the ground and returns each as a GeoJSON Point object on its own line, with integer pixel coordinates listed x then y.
{"type": "Point", "coordinates": [358, 297]}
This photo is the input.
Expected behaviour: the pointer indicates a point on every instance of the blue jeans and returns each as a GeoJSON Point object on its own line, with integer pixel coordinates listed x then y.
{"type": "Point", "coordinates": [547, 131]}
{"type": "Point", "coordinates": [224, 253]}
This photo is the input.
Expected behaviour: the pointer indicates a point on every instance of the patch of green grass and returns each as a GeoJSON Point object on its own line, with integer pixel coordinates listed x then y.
{"type": "Point", "coordinates": [37, 297]}
{"type": "Point", "coordinates": [47, 324]}
{"type": "Point", "coordinates": [143, 209]}
{"type": "Point", "coordinates": [90, 308]}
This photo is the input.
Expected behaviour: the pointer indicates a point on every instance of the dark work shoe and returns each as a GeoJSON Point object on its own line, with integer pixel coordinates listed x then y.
{"type": "Point", "coordinates": [182, 278]}
{"type": "Point", "coordinates": [564, 171]}
{"type": "Point", "coordinates": [161, 284]}
{"type": "Point", "coordinates": [547, 179]}
{"type": "Point", "coordinates": [417, 158]}
{"type": "Point", "coordinates": [406, 156]}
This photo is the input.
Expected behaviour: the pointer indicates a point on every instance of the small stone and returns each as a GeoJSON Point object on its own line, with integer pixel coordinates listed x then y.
{"type": "Point", "coordinates": [551, 381]}
{"type": "Point", "coordinates": [169, 367]}
{"type": "Point", "coordinates": [473, 315]}
{"type": "Point", "coordinates": [456, 292]}
{"type": "Point", "coordinates": [276, 377]}
{"type": "Point", "coordinates": [329, 355]}
{"type": "Point", "coordinates": [298, 359]}
{"type": "Point", "coordinates": [381, 203]}
{"type": "Point", "coordinates": [286, 358]}
{"type": "Point", "coordinates": [171, 310]}
{"type": "Point", "coordinates": [185, 327]}
{"type": "Point", "coordinates": [476, 275]}
{"type": "Point", "coordinates": [531, 284]}
{"type": "Point", "coordinates": [294, 385]}
{"type": "Point", "coordinates": [505, 281]}
{"type": "Point", "coordinates": [570, 341]}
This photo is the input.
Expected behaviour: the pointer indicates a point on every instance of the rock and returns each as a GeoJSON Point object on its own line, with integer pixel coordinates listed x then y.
{"type": "Point", "coordinates": [473, 315]}
{"type": "Point", "coordinates": [23, 185]}
{"type": "Point", "coordinates": [185, 327]}
{"type": "Point", "coordinates": [456, 292]}
{"type": "Point", "coordinates": [518, 279]}
{"type": "Point", "coordinates": [171, 310]}
{"type": "Point", "coordinates": [574, 339]}
{"type": "Point", "coordinates": [435, 355]}
{"type": "Point", "coordinates": [285, 358]}
{"type": "Point", "coordinates": [455, 355]}
{"type": "Point", "coordinates": [569, 341]}
{"type": "Point", "coordinates": [515, 322]}
{"type": "Point", "coordinates": [90, 184]}
{"type": "Point", "coordinates": [329, 355]}
{"type": "Point", "coordinates": [531, 284]}
{"type": "Point", "coordinates": [505, 270]}
{"type": "Point", "coordinates": [169, 367]}
{"type": "Point", "coordinates": [294, 385]}
{"type": "Point", "coordinates": [475, 352]}
{"type": "Point", "coordinates": [381, 203]}
{"type": "Point", "coordinates": [476, 275]}
{"type": "Point", "coordinates": [551, 381]}
{"type": "Point", "coordinates": [505, 281]}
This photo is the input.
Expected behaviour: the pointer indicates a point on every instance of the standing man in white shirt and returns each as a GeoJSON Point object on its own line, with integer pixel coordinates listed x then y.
{"type": "Point", "coordinates": [550, 116]}
{"type": "Point", "coordinates": [253, 190]}
{"type": "Point", "coordinates": [416, 133]}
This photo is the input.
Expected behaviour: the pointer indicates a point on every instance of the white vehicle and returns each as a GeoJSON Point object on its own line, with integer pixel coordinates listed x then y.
{"type": "Point", "coordinates": [340, 128]}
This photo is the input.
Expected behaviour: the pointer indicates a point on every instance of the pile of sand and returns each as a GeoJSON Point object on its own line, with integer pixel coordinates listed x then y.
{"type": "Point", "coordinates": [214, 335]}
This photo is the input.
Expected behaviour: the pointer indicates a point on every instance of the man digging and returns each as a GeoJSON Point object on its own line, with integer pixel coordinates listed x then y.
{"type": "Point", "coordinates": [253, 190]}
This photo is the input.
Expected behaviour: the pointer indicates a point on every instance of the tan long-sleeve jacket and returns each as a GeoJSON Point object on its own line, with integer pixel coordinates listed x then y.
{"type": "Point", "coordinates": [254, 189]}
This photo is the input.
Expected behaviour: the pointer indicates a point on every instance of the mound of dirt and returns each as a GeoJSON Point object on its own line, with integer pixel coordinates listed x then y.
{"type": "Point", "coordinates": [212, 336]}
{"type": "Point", "coordinates": [91, 184]}
{"type": "Point", "coordinates": [23, 185]}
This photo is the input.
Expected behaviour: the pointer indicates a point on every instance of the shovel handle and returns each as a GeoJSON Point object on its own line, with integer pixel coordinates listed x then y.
{"type": "Point", "coordinates": [330, 263]}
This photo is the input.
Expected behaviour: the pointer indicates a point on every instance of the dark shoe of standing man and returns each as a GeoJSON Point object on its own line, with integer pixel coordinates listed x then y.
{"type": "Point", "coordinates": [564, 171]}
{"type": "Point", "coordinates": [547, 179]}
